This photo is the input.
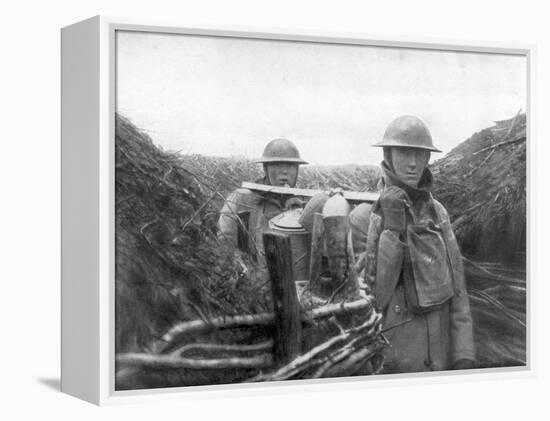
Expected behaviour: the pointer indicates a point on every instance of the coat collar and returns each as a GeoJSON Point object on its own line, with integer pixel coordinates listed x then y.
{"type": "Point", "coordinates": [422, 192]}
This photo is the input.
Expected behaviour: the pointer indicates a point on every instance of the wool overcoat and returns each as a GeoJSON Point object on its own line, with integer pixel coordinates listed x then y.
{"type": "Point", "coordinates": [431, 341]}
{"type": "Point", "coordinates": [245, 217]}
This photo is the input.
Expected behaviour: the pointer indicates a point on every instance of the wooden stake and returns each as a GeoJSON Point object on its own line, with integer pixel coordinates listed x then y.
{"type": "Point", "coordinates": [157, 361]}
{"type": "Point", "coordinates": [288, 327]}
{"type": "Point", "coordinates": [173, 338]}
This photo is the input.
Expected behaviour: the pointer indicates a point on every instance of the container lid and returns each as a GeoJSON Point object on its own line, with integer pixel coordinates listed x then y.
{"type": "Point", "coordinates": [337, 205]}
{"type": "Point", "coordinates": [287, 221]}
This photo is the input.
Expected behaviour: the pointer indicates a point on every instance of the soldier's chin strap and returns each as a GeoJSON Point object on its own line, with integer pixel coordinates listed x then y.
{"type": "Point", "coordinates": [388, 160]}
{"type": "Point", "coordinates": [422, 192]}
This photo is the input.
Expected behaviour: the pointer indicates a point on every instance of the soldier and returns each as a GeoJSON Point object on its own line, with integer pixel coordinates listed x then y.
{"type": "Point", "coordinates": [413, 263]}
{"type": "Point", "coordinates": [245, 214]}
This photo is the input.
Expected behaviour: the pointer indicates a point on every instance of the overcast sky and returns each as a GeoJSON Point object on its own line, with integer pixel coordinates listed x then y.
{"type": "Point", "coordinates": [225, 97]}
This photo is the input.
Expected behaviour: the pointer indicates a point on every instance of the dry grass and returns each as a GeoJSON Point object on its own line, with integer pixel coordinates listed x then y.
{"type": "Point", "coordinates": [483, 188]}
{"type": "Point", "coordinates": [169, 264]}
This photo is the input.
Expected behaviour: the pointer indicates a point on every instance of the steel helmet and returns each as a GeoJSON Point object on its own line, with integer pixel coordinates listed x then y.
{"type": "Point", "coordinates": [408, 131]}
{"type": "Point", "coordinates": [281, 150]}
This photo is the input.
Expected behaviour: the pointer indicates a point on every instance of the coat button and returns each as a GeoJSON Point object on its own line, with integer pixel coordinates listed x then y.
{"type": "Point", "coordinates": [397, 309]}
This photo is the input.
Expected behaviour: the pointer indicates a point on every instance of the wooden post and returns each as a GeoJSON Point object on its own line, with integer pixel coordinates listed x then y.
{"type": "Point", "coordinates": [288, 327]}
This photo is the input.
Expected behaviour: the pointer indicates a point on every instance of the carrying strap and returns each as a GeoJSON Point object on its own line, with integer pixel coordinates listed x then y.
{"type": "Point", "coordinates": [442, 224]}
{"type": "Point", "coordinates": [442, 220]}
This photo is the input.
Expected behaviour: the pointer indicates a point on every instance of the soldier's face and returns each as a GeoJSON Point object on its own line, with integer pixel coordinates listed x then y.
{"type": "Point", "coordinates": [282, 173]}
{"type": "Point", "coordinates": [409, 164]}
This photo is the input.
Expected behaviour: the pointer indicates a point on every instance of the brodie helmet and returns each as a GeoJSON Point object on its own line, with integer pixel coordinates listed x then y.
{"type": "Point", "coordinates": [281, 150]}
{"type": "Point", "coordinates": [408, 131]}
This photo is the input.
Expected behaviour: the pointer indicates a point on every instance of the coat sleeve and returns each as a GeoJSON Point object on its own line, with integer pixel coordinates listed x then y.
{"type": "Point", "coordinates": [240, 200]}
{"type": "Point", "coordinates": [461, 325]}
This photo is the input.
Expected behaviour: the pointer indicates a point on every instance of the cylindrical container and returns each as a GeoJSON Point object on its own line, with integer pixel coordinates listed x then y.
{"type": "Point", "coordinates": [338, 244]}
{"type": "Point", "coordinates": [336, 234]}
{"type": "Point", "coordinates": [336, 222]}
{"type": "Point", "coordinates": [300, 240]}
{"type": "Point", "coordinates": [336, 206]}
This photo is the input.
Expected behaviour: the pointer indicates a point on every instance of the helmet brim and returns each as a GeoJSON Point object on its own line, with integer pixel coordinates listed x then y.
{"type": "Point", "coordinates": [275, 159]}
{"type": "Point", "coordinates": [395, 144]}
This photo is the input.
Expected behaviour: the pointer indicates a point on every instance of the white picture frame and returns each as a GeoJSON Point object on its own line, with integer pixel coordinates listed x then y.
{"type": "Point", "coordinates": [88, 113]}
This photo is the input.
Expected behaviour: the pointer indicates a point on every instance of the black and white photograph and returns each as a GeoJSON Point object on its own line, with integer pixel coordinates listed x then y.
{"type": "Point", "coordinates": [290, 210]}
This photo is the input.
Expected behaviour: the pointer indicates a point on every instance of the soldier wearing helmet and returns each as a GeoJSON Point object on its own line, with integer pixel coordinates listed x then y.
{"type": "Point", "coordinates": [413, 263]}
{"type": "Point", "coordinates": [245, 214]}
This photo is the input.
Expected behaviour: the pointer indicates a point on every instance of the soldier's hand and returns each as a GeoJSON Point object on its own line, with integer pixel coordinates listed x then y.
{"type": "Point", "coordinates": [392, 203]}
{"type": "Point", "coordinates": [335, 190]}
{"type": "Point", "coordinates": [294, 203]}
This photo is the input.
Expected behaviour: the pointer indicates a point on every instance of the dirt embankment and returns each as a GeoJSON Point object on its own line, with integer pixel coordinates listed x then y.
{"type": "Point", "coordinates": [169, 264]}
{"type": "Point", "coordinates": [482, 183]}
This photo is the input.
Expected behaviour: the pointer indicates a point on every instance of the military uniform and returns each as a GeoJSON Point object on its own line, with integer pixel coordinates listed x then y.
{"type": "Point", "coordinates": [245, 215]}
{"type": "Point", "coordinates": [412, 261]}
{"type": "Point", "coordinates": [430, 340]}
{"type": "Point", "coordinates": [244, 219]}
